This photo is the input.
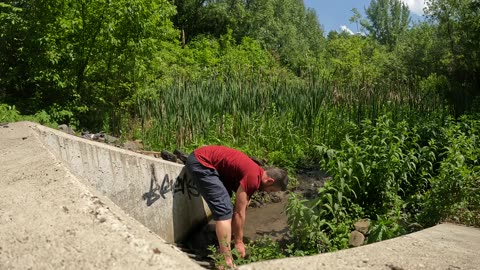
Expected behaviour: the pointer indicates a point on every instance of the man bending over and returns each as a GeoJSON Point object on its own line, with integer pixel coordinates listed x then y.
{"type": "Point", "coordinates": [219, 171]}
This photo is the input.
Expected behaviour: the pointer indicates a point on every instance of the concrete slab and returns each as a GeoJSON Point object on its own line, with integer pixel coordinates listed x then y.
{"type": "Point", "coordinates": [49, 219]}
{"type": "Point", "coordinates": [444, 246]}
{"type": "Point", "coordinates": [156, 192]}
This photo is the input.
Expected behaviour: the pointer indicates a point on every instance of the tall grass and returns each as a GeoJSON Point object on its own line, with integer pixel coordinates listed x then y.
{"type": "Point", "coordinates": [273, 116]}
{"type": "Point", "coordinates": [386, 146]}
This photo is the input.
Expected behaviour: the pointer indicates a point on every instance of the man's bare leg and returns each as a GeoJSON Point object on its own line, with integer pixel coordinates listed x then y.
{"type": "Point", "coordinates": [223, 229]}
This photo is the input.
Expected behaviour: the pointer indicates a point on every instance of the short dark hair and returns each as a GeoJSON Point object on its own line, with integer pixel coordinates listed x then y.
{"type": "Point", "coordinates": [279, 175]}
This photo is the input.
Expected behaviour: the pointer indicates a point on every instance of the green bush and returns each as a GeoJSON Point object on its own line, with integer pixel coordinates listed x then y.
{"type": "Point", "coordinates": [323, 224]}
{"type": "Point", "coordinates": [397, 175]}
{"type": "Point", "coordinates": [8, 113]}
{"type": "Point", "coordinates": [379, 162]}
{"type": "Point", "coordinates": [455, 189]}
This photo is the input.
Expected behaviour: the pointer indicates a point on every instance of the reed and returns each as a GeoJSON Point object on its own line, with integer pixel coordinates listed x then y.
{"type": "Point", "coordinates": [270, 113]}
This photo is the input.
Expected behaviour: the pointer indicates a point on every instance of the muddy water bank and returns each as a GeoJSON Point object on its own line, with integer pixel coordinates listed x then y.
{"type": "Point", "coordinates": [270, 219]}
{"type": "Point", "coordinates": [266, 216]}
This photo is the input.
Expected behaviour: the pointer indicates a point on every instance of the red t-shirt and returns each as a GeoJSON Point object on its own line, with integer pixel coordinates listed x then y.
{"type": "Point", "coordinates": [234, 167]}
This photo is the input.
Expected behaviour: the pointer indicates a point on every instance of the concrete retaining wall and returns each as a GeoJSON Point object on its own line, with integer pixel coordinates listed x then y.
{"type": "Point", "coordinates": [155, 192]}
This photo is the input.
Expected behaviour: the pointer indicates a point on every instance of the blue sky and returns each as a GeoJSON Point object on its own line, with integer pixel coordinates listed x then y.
{"type": "Point", "coordinates": [335, 14]}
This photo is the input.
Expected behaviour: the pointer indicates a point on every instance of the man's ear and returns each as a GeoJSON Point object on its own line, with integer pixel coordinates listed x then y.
{"type": "Point", "coordinates": [270, 180]}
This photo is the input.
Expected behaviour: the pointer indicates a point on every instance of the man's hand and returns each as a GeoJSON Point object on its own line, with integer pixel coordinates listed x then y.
{"type": "Point", "coordinates": [240, 246]}
{"type": "Point", "coordinates": [229, 261]}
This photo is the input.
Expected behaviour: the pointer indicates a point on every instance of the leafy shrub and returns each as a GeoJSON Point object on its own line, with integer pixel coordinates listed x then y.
{"type": "Point", "coordinates": [455, 189]}
{"type": "Point", "coordinates": [264, 248]}
{"type": "Point", "coordinates": [323, 224]}
{"type": "Point", "coordinates": [384, 228]}
{"type": "Point", "coordinates": [8, 113]}
{"type": "Point", "coordinates": [396, 174]}
{"type": "Point", "coordinates": [379, 163]}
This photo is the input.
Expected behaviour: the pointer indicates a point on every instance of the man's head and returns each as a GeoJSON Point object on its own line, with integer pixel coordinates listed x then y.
{"type": "Point", "coordinates": [274, 179]}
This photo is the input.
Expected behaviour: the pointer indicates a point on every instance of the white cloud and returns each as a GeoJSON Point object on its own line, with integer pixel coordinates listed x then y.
{"type": "Point", "coordinates": [415, 6]}
{"type": "Point", "coordinates": [346, 29]}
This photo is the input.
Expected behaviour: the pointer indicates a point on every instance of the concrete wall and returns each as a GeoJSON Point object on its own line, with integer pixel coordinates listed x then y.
{"type": "Point", "coordinates": [155, 192]}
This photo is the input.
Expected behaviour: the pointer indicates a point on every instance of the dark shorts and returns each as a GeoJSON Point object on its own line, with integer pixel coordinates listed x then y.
{"type": "Point", "coordinates": [212, 189]}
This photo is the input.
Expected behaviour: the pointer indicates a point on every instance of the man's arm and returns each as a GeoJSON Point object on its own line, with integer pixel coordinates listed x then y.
{"type": "Point", "coordinates": [241, 203]}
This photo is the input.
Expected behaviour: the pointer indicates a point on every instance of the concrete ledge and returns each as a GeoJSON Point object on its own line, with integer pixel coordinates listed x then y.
{"type": "Point", "coordinates": [50, 219]}
{"type": "Point", "coordinates": [444, 246]}
{"type": "Point", "coordinates": [155, 192]}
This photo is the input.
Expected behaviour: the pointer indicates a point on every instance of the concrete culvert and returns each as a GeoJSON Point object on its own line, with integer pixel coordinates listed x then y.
{"type": "Point", "coordinates": [69, 202]}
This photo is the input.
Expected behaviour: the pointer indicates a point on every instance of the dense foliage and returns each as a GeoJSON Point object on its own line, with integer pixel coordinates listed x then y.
{"type": "Point", "coordinates": [397, 174]}
{"type": "Point", "coordinates": [391, 112]}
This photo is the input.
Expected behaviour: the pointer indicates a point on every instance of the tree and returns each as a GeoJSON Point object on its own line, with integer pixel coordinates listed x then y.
{"type": "Point", "coordinates": [286, 28]}
{"type": "Point", "coordinates": [458, 23]}
{"type": "Point", "coordinates": [80, 60]}
{"type": "Point", "coordinates": [420, 51]}
{"type": "Point", "coordinates": [354, 60]}
{"type": "Point", "coordinates": [387, 20]}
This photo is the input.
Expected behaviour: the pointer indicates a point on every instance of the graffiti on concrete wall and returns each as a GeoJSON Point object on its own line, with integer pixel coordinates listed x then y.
{"type": "Point", "coordinates": [183, 185]}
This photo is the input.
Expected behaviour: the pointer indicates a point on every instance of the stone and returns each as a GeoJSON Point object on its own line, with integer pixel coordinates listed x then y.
{"type": "Point", "coordinates": [110, 139]}
{"type": "Point", "coordinates": [415, 227]}
{"type": "Point", "coordinates": [88, 136]}
{"type": "Point", "coordinates": [168, 156]}
{"type": "Point", "coordinates": [356, 239]}
{"type": "Point", "coordinates": [99, 137]}
{"type": "Point", "coordinates": [362, 226]}
{"type": "Point", "coordinates": [181, 155]}
{"type": "Point", "coordinates": [133, 145]}
{"type": "Point", "coordinates": [66, 129]}
{"type": "Point", "coordinates": [260, 162]}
